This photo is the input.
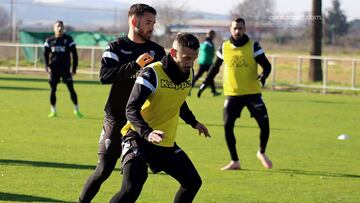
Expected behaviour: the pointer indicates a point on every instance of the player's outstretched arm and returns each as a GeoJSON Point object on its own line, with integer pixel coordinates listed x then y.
{"type": "Point", "coordinates": [202, 129]}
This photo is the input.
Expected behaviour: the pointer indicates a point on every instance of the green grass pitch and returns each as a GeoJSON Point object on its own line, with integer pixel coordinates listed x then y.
{"type": "Point", "coordinates": [48, 160]}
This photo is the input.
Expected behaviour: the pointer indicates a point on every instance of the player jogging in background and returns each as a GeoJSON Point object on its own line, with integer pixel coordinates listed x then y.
{"type": "Point", "coordinates": [205, 60]}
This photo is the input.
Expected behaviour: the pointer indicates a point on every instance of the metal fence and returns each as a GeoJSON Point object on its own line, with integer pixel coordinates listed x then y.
{"type": "Point", "coordinates": [89, 58]}
{"type": "Point", "coordinates": [338, 73]}
{"type": "Point", "coordinates": [287, 70]}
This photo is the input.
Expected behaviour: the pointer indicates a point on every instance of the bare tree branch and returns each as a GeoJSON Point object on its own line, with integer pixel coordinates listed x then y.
{"type": "Point", "coordinates": [4, 19]}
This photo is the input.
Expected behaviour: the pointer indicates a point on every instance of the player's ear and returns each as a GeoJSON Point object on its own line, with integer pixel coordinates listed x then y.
{"type": "Point", "coordinates": [173, 52]}
{"type": "Point", "coordinates": [133, 21]}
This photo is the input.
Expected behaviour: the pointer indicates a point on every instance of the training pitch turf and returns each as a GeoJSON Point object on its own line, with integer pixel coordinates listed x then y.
{"type": "Point", "coordinates": [48, 160]}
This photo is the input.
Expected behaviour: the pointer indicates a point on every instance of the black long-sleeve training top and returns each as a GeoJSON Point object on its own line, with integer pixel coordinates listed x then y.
{"type": "Point", "coordinates": [118, 67]}
{"type": "Point", "coordinates": [57, 54]}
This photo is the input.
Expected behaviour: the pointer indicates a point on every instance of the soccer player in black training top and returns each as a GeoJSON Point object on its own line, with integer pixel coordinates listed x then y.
{"type": "Point", "coordinates": [120, 64]}
{"type": "Point", "coordinates": [58, 62]}
{"type": "Point", "coordinates": [156, 102]}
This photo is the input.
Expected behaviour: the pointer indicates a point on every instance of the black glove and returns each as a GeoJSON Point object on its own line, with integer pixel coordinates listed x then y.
{"type": "Point", "coordinates": [201, 89]}
{"type": "Point", "coordinates": [262, 77]}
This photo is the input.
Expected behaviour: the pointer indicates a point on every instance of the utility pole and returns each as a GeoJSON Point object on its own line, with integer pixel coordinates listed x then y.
{"type": "Point", "coordinates": [315, 72]}
{"type": "Point", "coordinates": [13, 20]}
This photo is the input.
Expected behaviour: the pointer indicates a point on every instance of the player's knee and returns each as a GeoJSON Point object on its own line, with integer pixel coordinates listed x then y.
{"type": "Point", "coordinates": [133, 189]}
{"type": "Point", "coordinates": [229, 123]}
{"type": "Point", "coordinates": [264, 124]}
{"type": "Point", "coordinates": [228, 128]}
{"type": "Point", "coordinates": [197, 183]}
{"type": "Point", "coordinates": [193, 185]}
{"type": "Point", "coordinates": [102, 172]}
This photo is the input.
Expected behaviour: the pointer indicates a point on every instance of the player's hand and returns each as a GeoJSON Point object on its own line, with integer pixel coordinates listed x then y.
{"type": "Point", "coordinates": [202, 129]}
{"type": "Point", "coordinates": [144, 59]}
{"type": "Point", "coordinates": [262, 77]}
{"type": "Point", "coordinates": [201, 89]}
{"type": "Point", "coordinates": [47, 69]}
{"type": "Point", "coordinates": [155, 136]}
{"type": "Point", "coordinates": [73, 73]}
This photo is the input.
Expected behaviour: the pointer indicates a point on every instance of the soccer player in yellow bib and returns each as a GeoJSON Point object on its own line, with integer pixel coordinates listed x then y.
{"type": "Point", "coordinates": [156, 102]}
{"type": "Point", "coordinates": [242, 88]}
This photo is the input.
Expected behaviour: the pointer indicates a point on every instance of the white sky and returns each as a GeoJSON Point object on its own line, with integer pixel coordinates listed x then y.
{"type": "Point", "coordinates": [297, 7]}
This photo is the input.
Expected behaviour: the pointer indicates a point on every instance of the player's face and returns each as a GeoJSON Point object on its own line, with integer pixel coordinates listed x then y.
{"type": "Point", "coordinates": [184, 57]}
{"type": "Point", "coordinates": [145, 26]}
{"type": "Point", "coordinates": [58, 29]}
{"type": "Point", "coordinates": [237, 30]}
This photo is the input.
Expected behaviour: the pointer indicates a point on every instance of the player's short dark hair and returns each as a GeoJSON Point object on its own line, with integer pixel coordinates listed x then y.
{"type": "Point", "coordinates": [187, 40]}
{"type": "Point", "coordinates": [211, 32]}
{"type": "Point", "coordinates": [238, 20]}
{"type": "Point", "coordinates": [140, 9]}
{"type": "Point", "coordinates": [60, 22]}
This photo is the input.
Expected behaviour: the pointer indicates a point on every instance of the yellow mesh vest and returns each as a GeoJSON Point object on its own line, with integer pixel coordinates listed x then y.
{"type": "Point", "coordinates": [240, 70]}
{"type": "Point", "coordinates": [161, 109]}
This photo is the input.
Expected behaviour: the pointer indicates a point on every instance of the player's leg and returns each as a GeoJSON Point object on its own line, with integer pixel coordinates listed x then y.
{"type": "Point", "coordinates": [53, 81]}
{"type": "Point", "coordinates": [178, 165]}
{"type": "Point", "coordinates": [213, 88]}
{"type": "Point", "coordinates": [67, 78]}
{"type": "Point", "coordinates": [134, 170]}
{"type": "Point", "coordinates": [258, 110]}
{"type": "Point", "coordinates": [109, 153]}
{"type": "Point", "coordinates": [201, 70]}
{"type": "Point", "coordinates": [232, 110]}
{"type": "Point", "coordinates": [105, 166]}
{"type": "Point", "coordinates": [134, 177]}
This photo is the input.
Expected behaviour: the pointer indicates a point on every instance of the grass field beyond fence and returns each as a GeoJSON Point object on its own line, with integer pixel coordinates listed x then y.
{"type": "Point", "coordinates": [48, 160]}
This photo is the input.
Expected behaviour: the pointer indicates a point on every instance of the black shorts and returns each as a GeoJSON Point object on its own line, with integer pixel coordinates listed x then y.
{"type": "Point", "coordinates": [156, 157]}
{"type": "Point", "coordinates": [54, 77]}
{"type": "Point", "coordinates": [254, 103]}
{"type": "Point", "coordinates": [110, 137]}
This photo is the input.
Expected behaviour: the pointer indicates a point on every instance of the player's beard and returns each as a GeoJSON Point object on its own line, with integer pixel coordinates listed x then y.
{"type": "Point", "coordinates": [238, 36]}
{"type": "Point", "coordinates": [142, 34]}
{"type": "Point", "coordinates": [183, 68]}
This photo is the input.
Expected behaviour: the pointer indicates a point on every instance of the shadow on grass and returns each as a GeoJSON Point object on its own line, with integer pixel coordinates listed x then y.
{"type": "Point", "coordinates": [22, 88]}
{"type": "Point", "coordinates": [46, 164]}
{"type": "Point", "coordinates": [222, 125]}
{"type": "Point", "coordinates": [4, 196]}
{"type": "Point", "coordinates": [92, 118]}
{"type": "Point", "coordinates": [95, 82]}
{"type": "Point", "coordinates": [236, 126]}
{"type": "Point", "coordinates": [327, 102]}
{"type": "Point", "coordinates": [312, 101]}
{"type": "Point", "coordinates": [324, 174]}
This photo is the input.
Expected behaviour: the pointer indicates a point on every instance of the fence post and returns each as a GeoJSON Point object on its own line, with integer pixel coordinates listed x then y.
{"type": "Point", "coordinates": [300, 61]}
{"type": "Point", "coordinates": [353, 77]}
{"type": "Point", "coordinates": [17, 59]}
{"type": "Point", "coordinates": [325, 75]}
{"type": "Point", "coordinates": [92, 62]}
{"type": "Point", "coordinates": [36, 53]}
{"type": "Point", "coordinates": [273, 74]}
